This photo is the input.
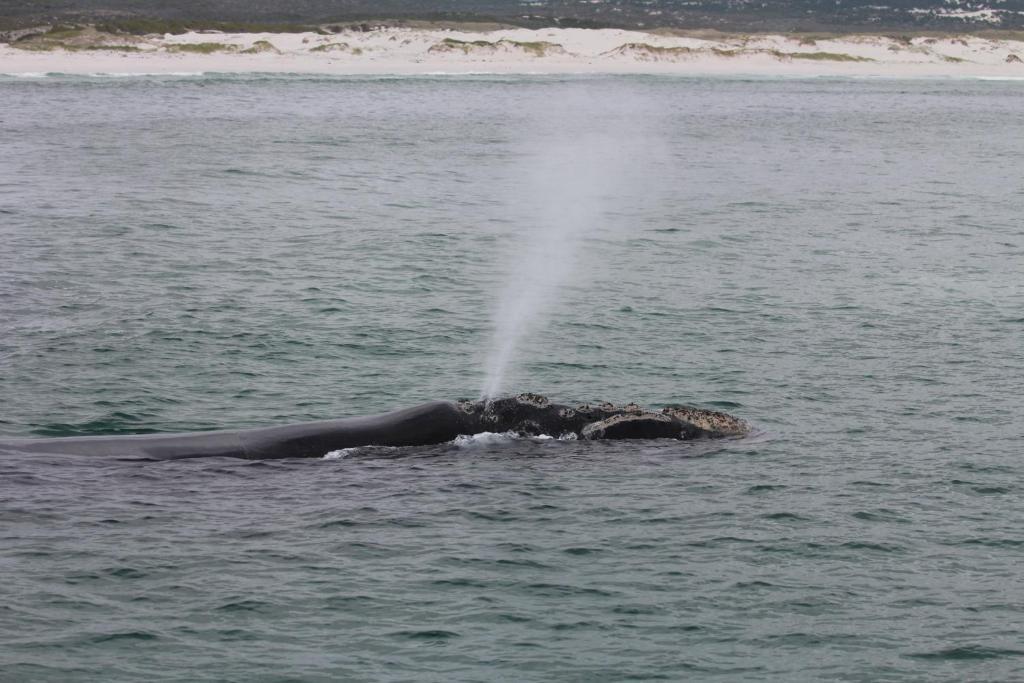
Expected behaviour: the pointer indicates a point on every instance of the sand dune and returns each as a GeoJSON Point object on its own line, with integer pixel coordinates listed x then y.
{"type": "Point", "coordinates": [411, 51]}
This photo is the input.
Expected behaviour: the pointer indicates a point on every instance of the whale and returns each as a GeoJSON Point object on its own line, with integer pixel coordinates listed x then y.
{"type": "Point", "coordinates": [431, 423]}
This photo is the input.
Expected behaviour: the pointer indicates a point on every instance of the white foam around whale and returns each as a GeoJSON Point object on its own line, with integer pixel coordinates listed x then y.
{"type": "Point", "coordinates": [463, 441]}
{"type": "Point", "coordinates": [343, 453]}
{"type": "Point", "coordinates": [497, 438]}
{"type": "Point", "coordinates": [484, 439]}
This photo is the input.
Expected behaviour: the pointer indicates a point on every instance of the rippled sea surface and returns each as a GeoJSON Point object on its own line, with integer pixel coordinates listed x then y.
{"type": "Point", "coordinates": [839, 262]}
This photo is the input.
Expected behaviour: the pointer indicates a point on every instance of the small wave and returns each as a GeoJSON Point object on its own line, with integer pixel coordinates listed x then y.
{"type": "Point", "coordinates": [435, 634]}
{"type": "Point", "coordinates": [244, 606]}
{"type": "Point", "coordinates": [968, 652]}
{"type": "Point", "coordinates": [484, 439]}
{"type": "Point", "coordinates": [785, 517]}
{"type": "Point", "coordinates": [343, 453]}
{"type": "Point", "coordinates": [124, 636]}
{"type": "Point", "coordinates": [143, 74]}
{"type": "Point", "coordinates": [496, 438]}
{"type": "Point", "coordinates": [765, 488]}
{"type": "Point", "coordinates": [463, 441]}
{"type": "Point", "coordinates": [103, 74]}
{"type": "Point", "coordinates": [339, 454]}
{"type": "Point", "coordinates": [460, 73]}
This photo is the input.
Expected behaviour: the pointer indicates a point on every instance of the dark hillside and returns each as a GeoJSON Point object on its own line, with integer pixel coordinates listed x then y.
{"type": "Point", "coordinates": [727, 15]}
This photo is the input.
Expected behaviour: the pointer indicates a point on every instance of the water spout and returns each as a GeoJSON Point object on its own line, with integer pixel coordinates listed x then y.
{"type": "Point", "coordinates": [569, 184]}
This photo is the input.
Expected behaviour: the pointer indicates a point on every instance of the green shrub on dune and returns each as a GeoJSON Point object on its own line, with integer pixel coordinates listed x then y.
{"type": "Point", "coordinates": [646, 51]}
{"type": "Point", "coordinates": [820, 56]}
{"type": "Point", "coordinates": [140, 26]}
{"type": "Point", "coordinates": [74, 39]}
{"type": "Point", "coordinates": [63, 32]}
{"type": "Point", "coordinates": [449, 44]}
{"type": "Point", "coordinates": [537, 48]}
{"type": "Point", "coordinates": [112, 48]}
{"type": "Point", "coordinates": [335, 47]}
{"type": "Point", "coordinates": [261, 46]}
{"type": "Point", "coordinates": [201, 48]}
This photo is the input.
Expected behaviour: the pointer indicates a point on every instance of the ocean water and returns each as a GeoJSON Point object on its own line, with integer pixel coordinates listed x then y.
{"type": "Point", "coordinates": [837, 261]}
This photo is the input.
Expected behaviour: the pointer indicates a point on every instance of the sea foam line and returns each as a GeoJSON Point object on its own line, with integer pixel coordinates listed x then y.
{"type": "Point", "coordinates": [463, 441]}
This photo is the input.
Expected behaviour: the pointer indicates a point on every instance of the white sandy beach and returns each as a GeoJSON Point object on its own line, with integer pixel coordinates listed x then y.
{"type": "Point", "coordinates": [517, 51]}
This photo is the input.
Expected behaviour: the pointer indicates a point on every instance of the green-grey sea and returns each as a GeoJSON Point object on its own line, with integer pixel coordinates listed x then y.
{"type": "Point", "coordinates": [838, 261]}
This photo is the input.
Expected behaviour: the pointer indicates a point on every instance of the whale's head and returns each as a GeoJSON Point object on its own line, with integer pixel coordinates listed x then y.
{"type": "Point", "coordinates": [533, 414]}
{"type": "Point", "coordinates": [712, 422]}
{"type": "Point", "coordinates": [529, 414]}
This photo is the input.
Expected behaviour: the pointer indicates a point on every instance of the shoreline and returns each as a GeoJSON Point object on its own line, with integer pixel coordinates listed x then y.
{"type": "Point", "coordinates": [408, 51]}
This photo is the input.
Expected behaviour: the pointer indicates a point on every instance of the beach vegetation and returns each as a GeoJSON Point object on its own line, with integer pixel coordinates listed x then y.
{"type": "Point", "coordinates": [820, 56]}
{"type": "Point", "coordinates": [201, 48]}
{"type": "Point", "coordinates": [656, 52]}
{"type": "Point", "coordinates": [69, 47]}
{"type": "Point", "coordinates": [449, 44]}
{"type": "Point", "coordinates": [51, 39]}
{"type": "Point", "coordinates": [249, 27]}
{"type": "Point", "coordinates": [112, 48]}
{"type": "Point", "coordinates": [64, 31]}
{"type": "Point", "coordinates": [24, 38]}
{"type": "Point", "coordinates": [337, 47]}
{"type": "Point", "coordinates": [536, 48]}
{"type": "Point", "coordinates": [140, 26]}
{"type": "Point", "coordinates": [952, 60]}
{"type": "Point", "coordinates": [73, 39]}
{"type": "Point", "coordinates": [330, 47]}
{"type": "Point", "coordinates": [36, 46]}
{"type": "Point", "coordinates": [261, 46]}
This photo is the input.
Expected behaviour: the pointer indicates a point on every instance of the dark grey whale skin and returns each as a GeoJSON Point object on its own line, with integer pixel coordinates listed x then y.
{"type": "Point", "coordinates": [429, 423]}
